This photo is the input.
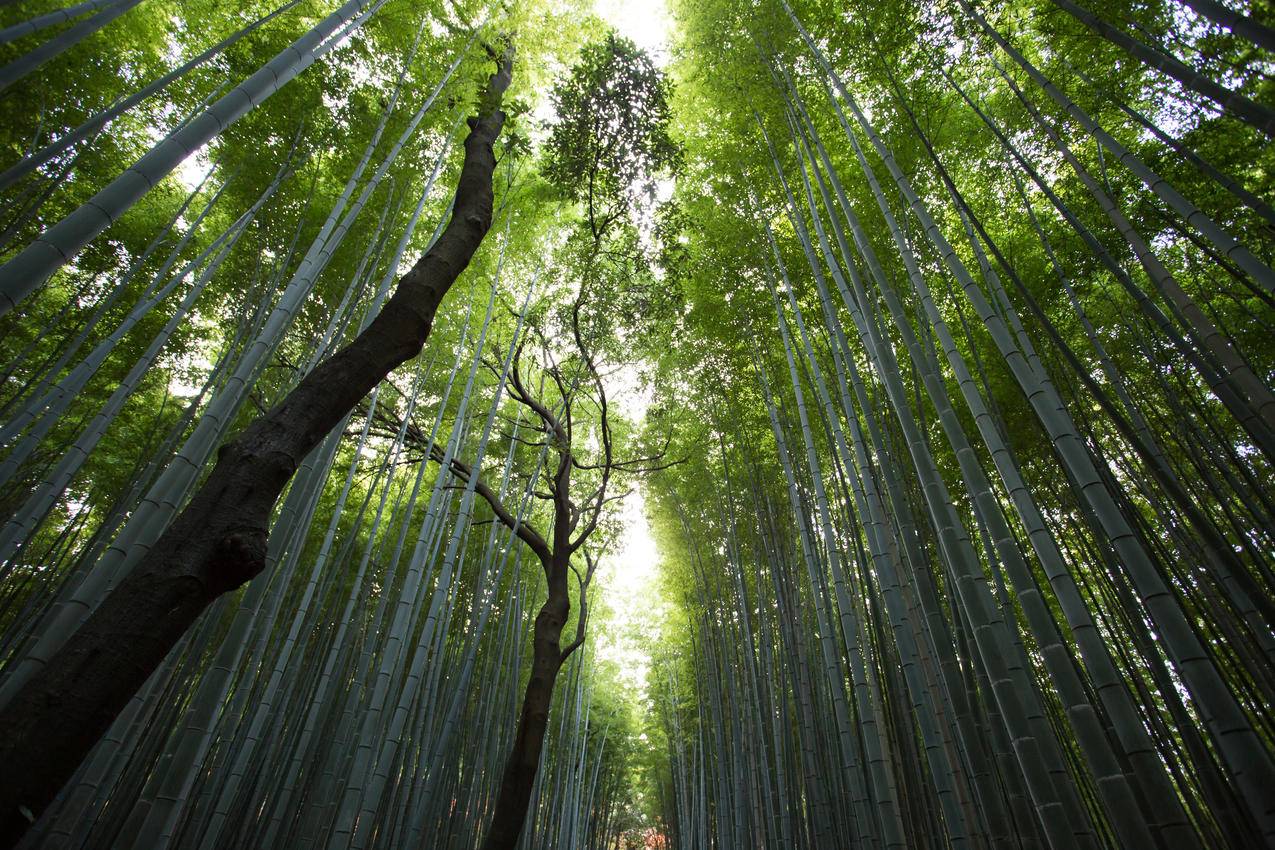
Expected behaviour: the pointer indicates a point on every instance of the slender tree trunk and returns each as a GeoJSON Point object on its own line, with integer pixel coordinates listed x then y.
{"type": "Point", "coordinates": [91, 126]}
{"type": "Point", "coordinates": [520, 770]}
{"type": "Point", "coordinates": [50, 19]}
{"type": "Point", "coordinates": [219, 541]}
{"type": "Point", "coordinates": [31, 267]}
{"type": "Point", "coordinates": [1248, 111]}
{"type": "Point", "coordinates": [1238, 22]}
{"type": "Point", "coordinates": [60, 43]}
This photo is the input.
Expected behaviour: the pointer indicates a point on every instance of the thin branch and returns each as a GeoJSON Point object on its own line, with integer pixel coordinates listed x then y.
{"type": "Point", "coordinates": [524, 530]}
{"type": "Point", "coordinates": [583, 619]}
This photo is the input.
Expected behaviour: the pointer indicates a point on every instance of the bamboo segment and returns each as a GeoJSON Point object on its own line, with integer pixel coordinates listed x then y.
{"type": "Point", "coordinates": [31, 267]}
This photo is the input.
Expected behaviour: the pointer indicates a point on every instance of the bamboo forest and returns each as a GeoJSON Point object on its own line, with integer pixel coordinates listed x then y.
{"type": "Point", "coordinates": [637, 424]}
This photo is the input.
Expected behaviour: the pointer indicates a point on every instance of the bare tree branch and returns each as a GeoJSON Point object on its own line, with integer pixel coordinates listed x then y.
{"type": "Point", "coordinates": [582, 620]}
{"type": "Point", "coordinates": [526, 533]}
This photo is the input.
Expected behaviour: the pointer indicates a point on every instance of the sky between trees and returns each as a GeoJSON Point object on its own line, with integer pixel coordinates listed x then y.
{"type": "Point", "coordinates": [933, 349]}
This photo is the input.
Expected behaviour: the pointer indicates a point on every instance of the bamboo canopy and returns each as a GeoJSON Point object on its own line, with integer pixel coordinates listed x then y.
{"type": "Point", "coordinates": [589, 426]}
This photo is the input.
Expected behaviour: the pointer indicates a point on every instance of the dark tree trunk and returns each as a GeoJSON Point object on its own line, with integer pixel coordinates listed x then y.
{"type": "Point", "coordinates": [219, 541]}
{"type": "Point", "coordinates": [519, 777]}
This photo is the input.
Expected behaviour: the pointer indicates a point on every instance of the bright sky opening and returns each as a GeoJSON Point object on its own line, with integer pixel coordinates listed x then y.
{"type": "Point", "coordinates": [645, 22]}
{"type": "Point", "coordinates": [627, 581]}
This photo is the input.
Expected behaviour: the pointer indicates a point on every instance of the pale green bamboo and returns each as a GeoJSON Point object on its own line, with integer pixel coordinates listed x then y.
{"type": "Point", "coordinates": [94, 125]}
{"type": "Point", "coordinates": [49, 19]}
{"type": "Point", "coordinates": [60, 43]}
{"type": "Point", "coordinates": [23, 274]}
{"type": "Point", "coordinates": [1250, 112]}
{"type": "Point", "coordinates": [1192, 215]}
{"type": "Point", "coordinates": [1247, 758]}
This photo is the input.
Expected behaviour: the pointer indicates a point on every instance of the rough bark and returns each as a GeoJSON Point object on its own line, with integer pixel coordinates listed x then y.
{"type": "Point", "coordinates": [219, 541]}
{"type": "Point", "coordinates": [573, 524]}
{"type": "Point", "coordinates": [519, 776]}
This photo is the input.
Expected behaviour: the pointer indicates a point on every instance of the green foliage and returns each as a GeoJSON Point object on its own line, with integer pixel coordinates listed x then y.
{"type": "Point", "coordinates": [610, 143]}
{"type": "Point", "coordinates": [677, 290]}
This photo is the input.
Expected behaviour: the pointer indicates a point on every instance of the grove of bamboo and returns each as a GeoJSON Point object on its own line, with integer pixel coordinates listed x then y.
{"type": "Point", "coordinates": [934, 341]}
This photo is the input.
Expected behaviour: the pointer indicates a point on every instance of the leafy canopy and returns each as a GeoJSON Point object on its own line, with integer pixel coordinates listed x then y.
{"type": "Point", "coordinates": [610, 144]}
